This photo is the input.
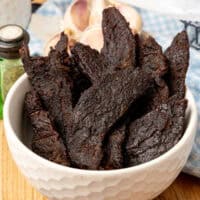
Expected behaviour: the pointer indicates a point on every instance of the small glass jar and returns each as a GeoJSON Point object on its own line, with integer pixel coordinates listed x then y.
{"type": "Point", "coordinates": [11, 39]}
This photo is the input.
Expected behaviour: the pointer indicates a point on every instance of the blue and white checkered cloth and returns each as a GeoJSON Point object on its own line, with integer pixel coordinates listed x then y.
{"type": "Point", "coordinates": [161, 27]}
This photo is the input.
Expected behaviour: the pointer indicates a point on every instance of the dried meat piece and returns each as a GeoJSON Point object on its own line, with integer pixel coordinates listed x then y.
{"type": "Point", "coordinates": [46, 141]}
{"type": "Point", "coordinates": [155, 96]}
{"type": "Point", "coordinates": [80, 83]}
{"type": "Point", "coordinates": [119, 43]}
{"type": "Point", "coordinates": [152, 98]}
{"type": "Point", "coordinates": [61, 46]}
{"type": "Point", "coordinates": [90, 62]}
{"type": "Point", "coordinates": [118, 51]}
{"type": "Point", "coordinates": [156, 132]}
{"type": "Point", "coordinates": [49, 77]}
{"type": "Point", "coordinates": [52, 149]}
{"type": "Point", "coordinates": [178, 60]}
{"type": "Point", "coordinates": [151, 57]}
{"type": "Point", "coordinates": [98, 109]}
{"type": "Point", "coordinates": [151, 60]}
{"type": "Point", "coordinates": [32, 99]}
{"type": "Point", "coordinates": [114, 149]}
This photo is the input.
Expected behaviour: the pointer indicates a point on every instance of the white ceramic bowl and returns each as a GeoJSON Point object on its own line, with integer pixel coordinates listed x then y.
{"type": "Point", "coordinates": [57, 182]}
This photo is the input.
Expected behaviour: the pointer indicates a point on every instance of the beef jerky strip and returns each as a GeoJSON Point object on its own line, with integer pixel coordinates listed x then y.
{"type": "Point", "coordinates": [118, 51]}
{"type": "Point", "coordinates": [98, 109]}
{"type": "Point", "coordinates": [178, 60]}
{"type": "Point", "coordinates": [151, 57]}
{"type": "Point", "coordinates": [80, 83]}
{"type": "Point", "coordinates": [80, 80]}
{"type": "Point", "coordinates": [114, 150]}
{"type": "Point", "coordinates": [152, 98]}
{"type": "Point", "coordinates": [46, 141]}
{"type": "Point", "coordinates": [156, 96]}
{"type": "Point", "coordinates": [156, 132]}
{"type": "Point", "coordinates": [114, 147]}
{"type": "Point", "coordinates": [152, 60]}
{"type": "Point", "coordinates": [119, 41]}
{"type": "Point", "coordinates": [90, 62]}
{"type": "Point", "coordinates": [50, 79]}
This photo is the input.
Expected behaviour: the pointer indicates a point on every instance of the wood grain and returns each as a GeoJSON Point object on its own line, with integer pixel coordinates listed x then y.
{"type": "Point", "coordinates": [15, 187]}
{"type": "Point", "coordinates": [38, 1]}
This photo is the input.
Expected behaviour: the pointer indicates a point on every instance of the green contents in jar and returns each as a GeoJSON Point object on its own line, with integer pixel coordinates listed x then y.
{"type": "Point", "coordinates": [12, 37]}
{"type": "Point", "coordinates": [11, 70]}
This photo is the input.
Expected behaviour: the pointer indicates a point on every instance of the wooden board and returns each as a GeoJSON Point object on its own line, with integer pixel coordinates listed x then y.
{"type": "Point", "coordinates": [15, 187]}
{"type": "Point", "coordinates": [38, 1]}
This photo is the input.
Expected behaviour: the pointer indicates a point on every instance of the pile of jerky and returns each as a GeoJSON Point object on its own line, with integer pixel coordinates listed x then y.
{"type": "Point", "coordinates": [117, 108]}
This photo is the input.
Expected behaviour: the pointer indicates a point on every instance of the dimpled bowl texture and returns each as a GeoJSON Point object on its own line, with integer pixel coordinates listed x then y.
{"type": "Point", "coordinates": [56, 182]}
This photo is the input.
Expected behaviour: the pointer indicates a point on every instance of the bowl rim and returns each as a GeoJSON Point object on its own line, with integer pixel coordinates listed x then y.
{"type": "Point", "coordinates": [9, 131]}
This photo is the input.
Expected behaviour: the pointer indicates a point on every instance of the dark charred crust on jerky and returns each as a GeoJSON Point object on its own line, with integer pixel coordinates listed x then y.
{"type": "Point", "coordinates": [39, 62]}
{"type": "Point", "coordinates": [61, 46]}
{"type": "Point", "coordinates": [80, 83]}
{"type": "Point", "coordinates": [111, 110]}
{"type": "Point", "coordinates": [178, 60]}
{"type": "Point", "coordinates": [52, 149]}
{"type": "Point", "coordinates": [139, 132]}
{"type": "Point", "coordinates": [114, 149]}
{"type": "Point", "coordinates": [50, 80]}
{"type": "Point", "coordinates": [32, 99]}
{"type": "Point", "coordinates": [98, 109]}
{"type": "Point", "coordinates": [151, 57]}
{"type": "Point", "coordinates": [90, 61]}
{"type": "Point", "coordinates": [46, 141]}
{"type": "Point", "coordinates": [156, 132]}
{"type": "Point", "coordinates": [155, 96]}
{"type": "Point", "coordinates": [119, 42]}
{"type": "Point", "coordinates": [151, 60]}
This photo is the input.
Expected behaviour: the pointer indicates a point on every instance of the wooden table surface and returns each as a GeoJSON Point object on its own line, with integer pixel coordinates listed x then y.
{"type": "Point", "coordinates": [15, 187]}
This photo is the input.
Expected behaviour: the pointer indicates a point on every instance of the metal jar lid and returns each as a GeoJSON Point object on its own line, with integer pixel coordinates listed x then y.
{"type": "Point", "coordinates": [12, 38]}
